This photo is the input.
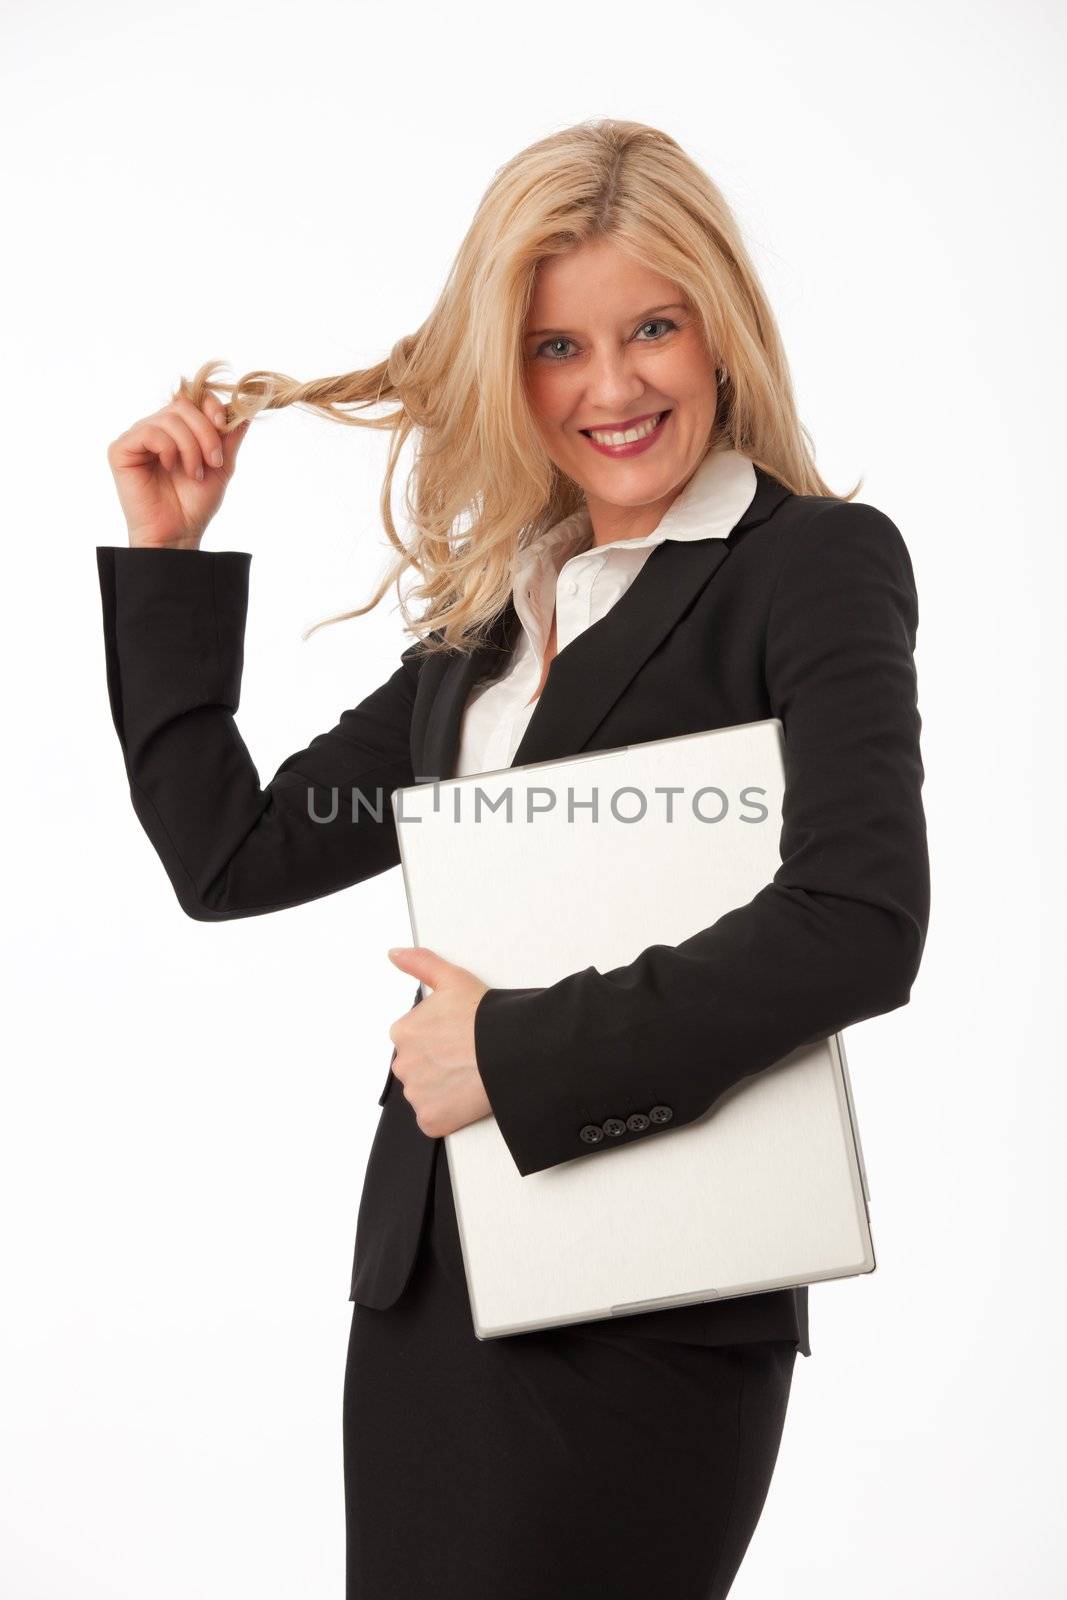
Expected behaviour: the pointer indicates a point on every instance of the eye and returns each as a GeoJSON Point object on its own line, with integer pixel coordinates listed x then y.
{"type": "Point", "coordinates": [548, 344]}
{"type": "Point", "coordinates": [553, 344]}
{"type": "Point", "coordinates": [656, 322]}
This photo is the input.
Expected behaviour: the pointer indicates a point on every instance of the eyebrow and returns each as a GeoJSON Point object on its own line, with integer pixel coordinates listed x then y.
{"type": "Point", "coordinates": [642, 316]}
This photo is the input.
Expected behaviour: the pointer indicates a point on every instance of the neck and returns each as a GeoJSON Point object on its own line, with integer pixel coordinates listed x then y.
{"type": "Point", "coordinates": [610, 522]}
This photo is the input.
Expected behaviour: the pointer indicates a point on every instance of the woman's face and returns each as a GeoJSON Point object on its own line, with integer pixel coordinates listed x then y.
{"type": "Point", "coordinates": [610, 345]}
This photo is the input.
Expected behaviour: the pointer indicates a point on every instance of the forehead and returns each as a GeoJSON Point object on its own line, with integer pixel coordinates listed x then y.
{"type": "Point", "coordinates": [595, 281]}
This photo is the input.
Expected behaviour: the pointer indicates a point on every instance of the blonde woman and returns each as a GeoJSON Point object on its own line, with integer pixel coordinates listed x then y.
{"type": "Point", "coordinates": [620, 535]}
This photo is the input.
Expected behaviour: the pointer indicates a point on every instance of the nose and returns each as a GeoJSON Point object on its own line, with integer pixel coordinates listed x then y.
{"type": "Point", "coordinates": [613, 383]}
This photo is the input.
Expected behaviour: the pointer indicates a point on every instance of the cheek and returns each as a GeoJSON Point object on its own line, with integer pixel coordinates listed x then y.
{"type": "Point", "coordinates": [688, 375]}
{"type": "Point", "coordinates": [550, 395]}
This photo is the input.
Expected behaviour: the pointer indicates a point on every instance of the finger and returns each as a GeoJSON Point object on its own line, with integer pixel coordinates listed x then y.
{"type": "Point", "coordinates": [149, 438]}
{"type": "Point", "coordinates": [202, 427]}
{"type": "Point", "coordinates": [232, 442]}
{"type": "Point", "coordinates": [189, 451]}
{"type": "Point", "coordinates": [421, 963]}
{"type": "Point", "coordinates": [215, 412]}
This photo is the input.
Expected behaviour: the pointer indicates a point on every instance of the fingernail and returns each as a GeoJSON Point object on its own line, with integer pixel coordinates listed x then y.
{"type": "Point", "coordinates": [200, 474]}
{"type": "Point", "coordinates": [216, 460]}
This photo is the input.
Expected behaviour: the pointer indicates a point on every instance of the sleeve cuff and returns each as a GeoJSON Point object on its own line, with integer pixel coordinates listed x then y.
{"type": "Point", "coordinates": [549, 1110]}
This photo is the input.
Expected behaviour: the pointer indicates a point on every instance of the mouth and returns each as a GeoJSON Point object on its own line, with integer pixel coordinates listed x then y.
{"type": "Point", "coordinates": [640, 435]}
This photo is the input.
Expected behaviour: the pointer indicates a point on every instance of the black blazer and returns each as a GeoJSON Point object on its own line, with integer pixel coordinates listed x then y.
{"type": "Point", "coordinates": [807, 612]}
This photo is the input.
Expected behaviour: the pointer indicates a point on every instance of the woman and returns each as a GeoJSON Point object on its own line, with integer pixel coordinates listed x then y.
{"type": "Point", "coordinates": [621, 536]}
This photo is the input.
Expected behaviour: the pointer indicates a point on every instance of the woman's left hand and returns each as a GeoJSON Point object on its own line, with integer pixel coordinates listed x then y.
{"type": "Point", "coordinates": [434, 1041]}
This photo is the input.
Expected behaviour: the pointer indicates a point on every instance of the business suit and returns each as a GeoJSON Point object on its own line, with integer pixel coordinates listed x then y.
{"type": "Point", "coordinates": [807, 611]}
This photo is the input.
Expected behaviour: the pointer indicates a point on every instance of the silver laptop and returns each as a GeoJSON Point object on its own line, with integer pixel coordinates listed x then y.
{"type": "Point", "coordinates": [768, 1189]}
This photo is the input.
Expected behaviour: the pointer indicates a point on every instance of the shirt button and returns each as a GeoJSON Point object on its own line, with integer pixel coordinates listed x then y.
{"type": "Point", "coordinates": [571, 586]}
{"type": "Point", "coordinates": [591, 1133]}
{"type": "Point", "coordinates": [637, 1123]}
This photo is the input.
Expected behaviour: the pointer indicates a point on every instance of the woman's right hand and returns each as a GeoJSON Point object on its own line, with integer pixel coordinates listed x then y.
{"type": "Point", "coordinates": [156, 464]}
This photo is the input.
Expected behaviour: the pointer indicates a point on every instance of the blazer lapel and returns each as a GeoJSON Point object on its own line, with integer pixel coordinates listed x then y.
{"type": "Point", "coordinates": [585, 680]}
{"type": "Point", "coordinates": [440, 747]}
{"type": "Point", "coordinates": [587, 677]}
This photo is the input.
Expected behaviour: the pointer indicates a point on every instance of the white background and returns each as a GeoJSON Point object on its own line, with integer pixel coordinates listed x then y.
{"type": "Point", "coordinates": [184, 1123]}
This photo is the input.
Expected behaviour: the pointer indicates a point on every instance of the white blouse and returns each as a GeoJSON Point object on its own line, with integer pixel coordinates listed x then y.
{"type": "Point", "coordinates": [564, 571]}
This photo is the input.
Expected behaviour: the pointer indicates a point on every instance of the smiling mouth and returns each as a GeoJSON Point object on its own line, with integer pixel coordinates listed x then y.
{"type": "Point", "coordinates": [631, 435]}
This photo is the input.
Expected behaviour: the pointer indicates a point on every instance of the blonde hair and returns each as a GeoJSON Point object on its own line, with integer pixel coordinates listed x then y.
{"type": "Point", "coordinates": [482, 485]}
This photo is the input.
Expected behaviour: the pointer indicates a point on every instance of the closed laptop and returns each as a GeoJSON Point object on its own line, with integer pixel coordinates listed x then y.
{"type": "Point", "coordinates": [529, 873]}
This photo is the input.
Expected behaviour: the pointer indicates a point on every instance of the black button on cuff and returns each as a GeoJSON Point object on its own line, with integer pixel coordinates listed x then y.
{"type": "Point", "coordinates": [592, 1133]}
{"type": "Point", "coordinates": [637, 1123]}
{"type": "Point", "coordinates": [614, 1126]}
{"type": "Point", "coordinates": [661, 1113]}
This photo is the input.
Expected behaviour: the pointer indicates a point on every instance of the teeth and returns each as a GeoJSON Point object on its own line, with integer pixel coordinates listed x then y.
{"type": "Point", "coordinates": [642, 431]}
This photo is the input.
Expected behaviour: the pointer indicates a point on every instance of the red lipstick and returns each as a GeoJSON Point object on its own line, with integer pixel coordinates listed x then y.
{"type": "Point", "coordinates": [637, 446]}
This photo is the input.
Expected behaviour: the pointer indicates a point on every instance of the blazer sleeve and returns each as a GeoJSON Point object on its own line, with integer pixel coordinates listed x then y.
{"type": "Point", "coordinates": [835, 938]}
{"type": "Point", "coordinates": [174, 625]}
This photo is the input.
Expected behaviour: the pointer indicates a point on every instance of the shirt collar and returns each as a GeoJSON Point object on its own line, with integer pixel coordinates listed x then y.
{"type": "Point", "coordinates": [710, 506]}
{"type": "Point", "coordinates": [718, 494]}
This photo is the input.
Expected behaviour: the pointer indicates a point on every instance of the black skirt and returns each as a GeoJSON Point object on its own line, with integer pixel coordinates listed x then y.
{"type": "Point", "coordinates": [569, 1462]}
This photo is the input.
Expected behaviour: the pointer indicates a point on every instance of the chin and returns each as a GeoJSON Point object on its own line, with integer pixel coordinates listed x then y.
{"type": "Point", "coordinates": [636, 478]}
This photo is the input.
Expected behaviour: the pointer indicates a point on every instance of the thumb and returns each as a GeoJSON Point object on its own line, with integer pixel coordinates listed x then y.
{"type": "Point", "coordinates": [422, 963]}
{"type": "Point", "coordinates": [232, 442]}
